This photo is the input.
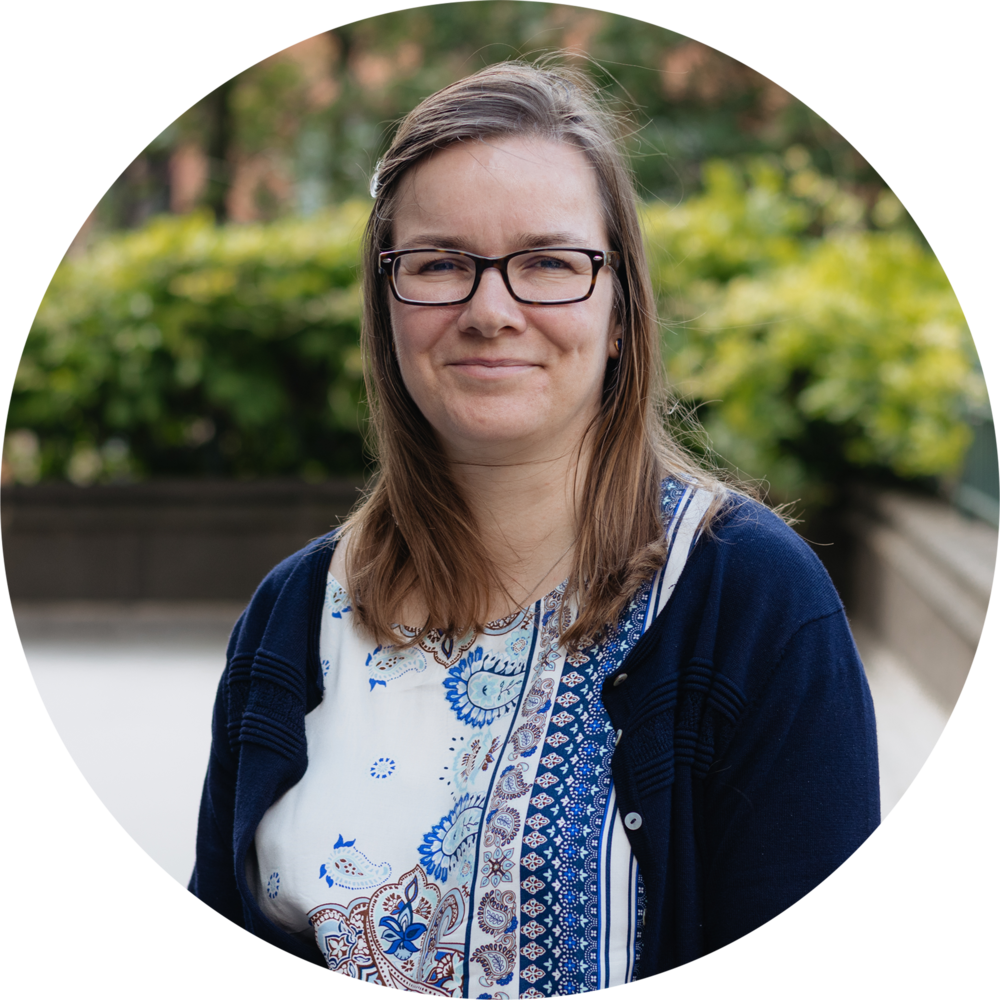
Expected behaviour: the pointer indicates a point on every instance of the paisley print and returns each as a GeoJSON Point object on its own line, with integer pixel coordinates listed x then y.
{"type": "Point", "coordinates": [340, 935]}
{"type": "Point", "coordinates": [348, 868]}
{"type": "Point", "coordinates": [482, 687]}
{"type": "Point", "coordinates": [436, 966]}
{"type": "Point", "coordinates": [510, 784]}
{"type": "Point", "coordinates": [448, 841]}
{"type": "Point", "coordinates": [479, 767]}
{"type": "Point", "coordinates": [497, 912]}
{"type": "Point", "coordinates": [517, 646]}
{"type": "Point", "coordinates": [399, 937]}
{"type": "Point", "coordinates": [385, 664]}
{"type": "Point", "coordinates": [502, 826]}
{"type": "Point", "coordinates": [445, 649]}
{"type": "Point", "coordinates": [498, 960]}
{"type": "Point", "coordinates": [539, 698]}
{"type": "Point", "coordinates": [525, 739]}
{"type": "Point", "coordinates": [336, 603]}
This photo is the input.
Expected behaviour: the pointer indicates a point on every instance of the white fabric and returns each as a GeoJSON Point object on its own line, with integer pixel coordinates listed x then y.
{"type": "Point", "coordinates": [456, 830]}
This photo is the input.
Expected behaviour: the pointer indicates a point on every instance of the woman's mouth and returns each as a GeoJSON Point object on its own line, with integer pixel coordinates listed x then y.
{"type": "Point", "coordinates": [492, 367]}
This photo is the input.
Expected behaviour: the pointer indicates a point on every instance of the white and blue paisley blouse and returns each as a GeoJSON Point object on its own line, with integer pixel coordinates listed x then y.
{"type": "Point", "coordinates": [456, 831]}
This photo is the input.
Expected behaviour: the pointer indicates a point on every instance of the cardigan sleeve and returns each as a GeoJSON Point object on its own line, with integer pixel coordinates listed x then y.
{"type": "Point", "coordinates": [237, 791]}
{"type": "Point", "coordinates": [214, 877]}
{"type": "Point", "coordinates": [213, 881]}
{"type": "Point", "coordinates": [796, 791]}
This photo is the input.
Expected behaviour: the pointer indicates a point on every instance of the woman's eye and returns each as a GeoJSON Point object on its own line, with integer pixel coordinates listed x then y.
{"type": "Point", "coordinates": [444, 266]}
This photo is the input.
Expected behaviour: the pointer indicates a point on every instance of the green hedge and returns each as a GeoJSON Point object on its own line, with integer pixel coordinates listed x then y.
{"type": "Point", "coordinates": [815, 348]}
{"type": "Point", "coordinates": [186, 349]}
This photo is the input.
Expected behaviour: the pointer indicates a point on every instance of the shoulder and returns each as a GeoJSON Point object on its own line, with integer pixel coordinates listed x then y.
{"type": "Point", "coordinates": [747, 522]}
{"type": "Point", "coordinates": [756, 628]}
{"type": "Point", "coordinates": [750, 549]}
{"type": "Point", "coordinates": [749, 586]}
{"type": "Point", "coordinates": [319, 550]}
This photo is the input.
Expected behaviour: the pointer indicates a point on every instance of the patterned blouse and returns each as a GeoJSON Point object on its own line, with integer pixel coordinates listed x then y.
{"type": "Point", "coordinates": [456, 831]}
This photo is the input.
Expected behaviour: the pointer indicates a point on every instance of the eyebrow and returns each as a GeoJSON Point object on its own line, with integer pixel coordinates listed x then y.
{"type": "Point", "coordinates": [525, 241]}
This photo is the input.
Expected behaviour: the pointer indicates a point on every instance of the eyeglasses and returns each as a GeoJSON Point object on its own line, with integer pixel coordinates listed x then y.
{"type": "Point", "coordinates": [542, 276]}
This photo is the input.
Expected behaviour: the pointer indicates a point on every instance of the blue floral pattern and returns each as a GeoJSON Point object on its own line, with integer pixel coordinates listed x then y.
{"type": "Point", "coordinates": [389, 663]}
{"type": "Point", "coordinates": [482, 687]}
{"type": "Point", "coordinates": [401, 930]}
{"type": "Point", "coordinates": [450, 839]}
{"type": "Point", "coordinates": [336, 602]}
{"type": "Point", "coordinates": [348, 868]}
{"type": "Point", "coordinates": [500, 749]}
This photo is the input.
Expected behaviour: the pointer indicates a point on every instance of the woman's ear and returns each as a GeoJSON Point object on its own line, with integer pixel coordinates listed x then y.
{"type": "Point", "coordinates": [615, 341]}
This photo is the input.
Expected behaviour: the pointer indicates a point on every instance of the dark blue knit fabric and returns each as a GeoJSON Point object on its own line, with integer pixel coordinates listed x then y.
{"type": "Point", "coordinates": [747, 751]}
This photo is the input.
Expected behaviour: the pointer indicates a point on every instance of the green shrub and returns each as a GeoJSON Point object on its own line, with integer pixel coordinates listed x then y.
{"type": "Point", "coordinates": [185, 349]}
{"type": "Point", "coordinates": [815, 349]}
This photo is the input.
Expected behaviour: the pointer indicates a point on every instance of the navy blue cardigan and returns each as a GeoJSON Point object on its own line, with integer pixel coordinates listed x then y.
{"type": "Point", "coordinates": [747, 738]}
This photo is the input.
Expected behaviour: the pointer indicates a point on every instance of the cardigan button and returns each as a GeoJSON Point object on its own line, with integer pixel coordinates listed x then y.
{"type": "Point", "coordinates": [618, 736]}
{"type": "Point", "coordinates": [620, 679]}
{"type": "Point", "coordinates": [633, 821]}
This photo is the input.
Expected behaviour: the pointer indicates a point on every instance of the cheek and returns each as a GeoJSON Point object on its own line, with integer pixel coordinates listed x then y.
{"type": "Point", "coordinates": [591, 331]}
{"type": "Point", "coordinates": [407, 335]}
{"type": "Point", "coordinates": [408, 361]}
{"type": "Point", "coordinates": [416, 329]}
{"type": "Point", "coordinates": [413, 338]}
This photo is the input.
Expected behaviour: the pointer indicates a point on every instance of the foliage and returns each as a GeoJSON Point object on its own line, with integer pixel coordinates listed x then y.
{"type": "Point", "coordinates": [183, 348]}
{"type": "Point", "coordinates": [304, 128]}
{"type": "Point", "coordinates": [815, 348]}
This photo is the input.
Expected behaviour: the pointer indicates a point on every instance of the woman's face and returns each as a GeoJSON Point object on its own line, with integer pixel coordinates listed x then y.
{"type": "Point", "coordinates": [495, 378]}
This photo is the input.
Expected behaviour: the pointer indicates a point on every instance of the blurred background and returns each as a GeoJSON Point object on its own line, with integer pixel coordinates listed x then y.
{"type": "Point", "coordinates": [189, 408]}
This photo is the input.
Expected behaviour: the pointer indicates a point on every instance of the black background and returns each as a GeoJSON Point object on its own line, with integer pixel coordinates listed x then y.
{"type": "Point", "coordinates": [86, 93]}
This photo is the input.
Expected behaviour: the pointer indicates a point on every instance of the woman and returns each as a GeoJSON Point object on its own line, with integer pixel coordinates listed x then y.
{"type": "Point", "coordinates": [558, 710]}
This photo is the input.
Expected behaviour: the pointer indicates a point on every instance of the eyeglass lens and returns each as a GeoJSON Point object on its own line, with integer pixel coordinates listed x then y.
{"type": "Point", "coordinates": [538, 276]}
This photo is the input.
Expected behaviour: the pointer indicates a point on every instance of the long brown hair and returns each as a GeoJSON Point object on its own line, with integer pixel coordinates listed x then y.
{"type": "Point", "coordinates": [415, 530]}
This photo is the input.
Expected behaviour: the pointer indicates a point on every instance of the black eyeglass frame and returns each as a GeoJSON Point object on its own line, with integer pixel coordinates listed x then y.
{"type": "Point", "coordinates": [598, 258]}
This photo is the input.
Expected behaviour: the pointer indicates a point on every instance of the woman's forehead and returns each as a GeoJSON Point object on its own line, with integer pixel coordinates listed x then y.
{"type": "Point", "coordinates": [512, 190]}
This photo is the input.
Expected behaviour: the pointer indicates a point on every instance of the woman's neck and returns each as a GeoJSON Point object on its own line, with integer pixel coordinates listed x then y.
{"type": "Point", "coordinates": [526, 510]}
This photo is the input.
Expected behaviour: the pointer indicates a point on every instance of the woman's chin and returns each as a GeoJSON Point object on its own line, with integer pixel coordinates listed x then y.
{"type": "Point", "coordinates": [508, 429]}
{"type": "Point", "coordinates": [481, 441]}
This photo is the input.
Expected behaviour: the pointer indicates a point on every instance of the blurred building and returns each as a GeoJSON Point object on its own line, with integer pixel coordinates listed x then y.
{"type": "Point", "coordinates": [978, 489]}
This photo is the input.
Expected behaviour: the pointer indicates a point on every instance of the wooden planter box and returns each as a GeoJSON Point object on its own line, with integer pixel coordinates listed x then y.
{"type": "Point", "coordinates": [169, 540]}
{"type": "Point", "coordinates": [914, 571]}
{"type": "Point", "coordinates": [922, 575]}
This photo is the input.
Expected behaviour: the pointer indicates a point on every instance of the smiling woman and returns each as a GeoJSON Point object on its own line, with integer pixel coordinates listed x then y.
{"type": "Point", "coordinates": [494, 371]}
{"type": "Point", "coordinates": [555, 709]}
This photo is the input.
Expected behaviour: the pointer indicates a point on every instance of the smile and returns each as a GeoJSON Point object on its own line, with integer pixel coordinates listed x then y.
{"type": "Point", "coordinates": [492, 367]}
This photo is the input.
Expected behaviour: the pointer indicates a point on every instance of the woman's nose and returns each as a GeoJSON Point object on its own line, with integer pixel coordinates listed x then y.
{"type": "Point", "coordinates": [492, 309]}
